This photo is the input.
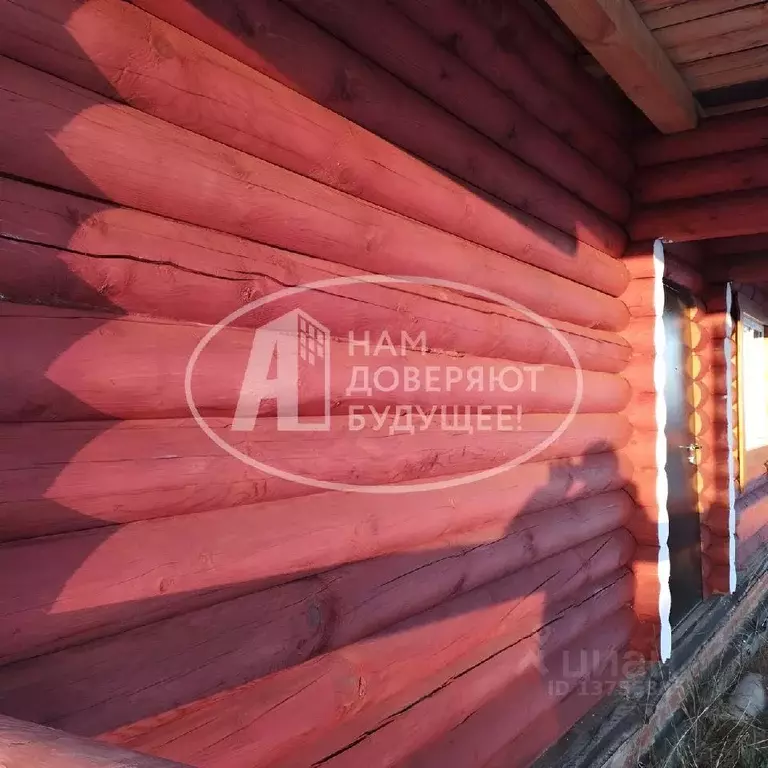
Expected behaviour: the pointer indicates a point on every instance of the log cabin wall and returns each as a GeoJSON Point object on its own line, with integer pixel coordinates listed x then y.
{"type": "Point", "coordinates": [165, 162]}
{"type": "Point", "coordinates": [709, 186]}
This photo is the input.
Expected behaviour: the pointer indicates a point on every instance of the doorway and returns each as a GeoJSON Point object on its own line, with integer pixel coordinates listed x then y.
{"type": "Point", "coordinates": [682, 457]}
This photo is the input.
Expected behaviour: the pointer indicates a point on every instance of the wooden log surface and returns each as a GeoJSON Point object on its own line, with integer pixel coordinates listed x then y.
{"type": "Point", "coordinates": [546, 730]}
{"type": "Point", "coordinates": [315, 708]}
{"type": "Point", "coordinates": [390, 39]}
{"type": "Point", "coordinates": [455, 24]}
{"type": "Point", "coordinates": [288, 48]}
{"type": "Point", "coordinates": [80, 475]}
{"type": "Point", "coordinates": [514, 27]}
{"type": "Point", "coordinates": [426, 729]}
{"type": "Point", "coordinates": [171, 172]}
{"type": "Point", "coordinates": [714, 136]}
{"type": "Point", "coordinates": [484, 733]}
{"type": "Point", "coordinates": [29, 744]}
{"type": "Point", "coordinates": [725, 215]}
{"type": "Point", "coordinates": [727, 172]}
{"type": "Point", "coordinates": [65, 249]}
{"type": "Point", "coordinates": [69, 365]}
{"type": "Point", "coordinates": [235, 641]}
{"type": "Point", "coordinates": [112, 48]}
{"type": "Point", "coordinates": [176, 564]}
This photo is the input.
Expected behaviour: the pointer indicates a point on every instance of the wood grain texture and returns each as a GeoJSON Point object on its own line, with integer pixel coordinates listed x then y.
{"type": "Point", "coordinates": [64, 249]}
{"type": "Point", "coordinates": [287, 47]}
{"type": "Point", "coordinates": [30, 744]}
{"type": "Point", "coordinates": [483, 734]}
{"type": "Point", "coordinates": [184, 658]}
{"type": "Point", "coordinates": [105, 581]}
{"type": "Point", "coordinates": [515, 27]}
{"type": "Point", "coordinates": [742, 213]}
{"type": "Point", "coordinates": [70, 365]}
{"type": "Point", "coordinates": [734, 30]}
{"type": "Point", "coordinates": [174, 173]}
{"type": "Point", "coordinates": [312, 710]}
{"type": "Point", "coordinates": [454, 24]}
{"type": "Point", "coordinates": [728, 69]}
{"type": "Point", "coordinates": [726, 172]}
{"type": "Point", "coordinates": [112, 48]}
{"type": "Point", "coordinates": [664, 13]}
{"type": "Point", "coordinates": [713, 137]}
{"type": "Point", "coordinates": [387, 37]}
{"type": "Point", "coordinates": [80, 475]}
{"type": "Point", "coordinates": [616, 36]}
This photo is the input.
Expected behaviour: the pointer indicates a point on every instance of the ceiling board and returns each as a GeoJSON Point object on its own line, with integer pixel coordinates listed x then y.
{"type": "Point", "coordinates": [729, 69]}
{"type": "Point", "coordinates": [716, 35]}
{"type": "Point", "coordinates": [689, 10]}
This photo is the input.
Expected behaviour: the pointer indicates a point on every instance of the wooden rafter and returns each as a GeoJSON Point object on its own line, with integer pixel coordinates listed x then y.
{"type": "Point", "coordinates": [616, 36]}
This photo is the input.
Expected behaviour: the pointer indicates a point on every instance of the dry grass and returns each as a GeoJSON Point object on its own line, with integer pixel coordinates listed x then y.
{"type": "Point", "coordinates": [706, 737]}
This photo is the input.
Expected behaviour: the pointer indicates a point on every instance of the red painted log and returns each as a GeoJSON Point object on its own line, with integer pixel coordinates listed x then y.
{"type": "Point", "coordinates": [26, 744]}
{"type": "Point", "coordinates": [402, 48]}
{"type": "Point", "coordinates": [515, 29]}
{"type": "Point", "coordinates": [258, 115]}
{"type": "Point", "coordinates": [747, 130]}
{"type": "Point", "coordinates": [484, 733]}
{"type": "Point", "coordinates": [74, 476]}
{"type": "Point", "coordinates": [286, 47]}
{"type": "Point", "coordinates": [171, 172]}
{"type": "Point", "coordinates": [726, 246]}
{"type": "Point", "coordinates": [74, 264]}
{"type": "Point", "coordinates": [645, 567]}
{"type": "Point", "coordinates": [547, 729]}
{"type": "Point", "coordinates": [322, 705]}
{"type": "Point", "coordinates": [728, 172]}
{"type": "Point", "coordinates": [739, 213]}
{"type": "Point", "coordinates": [455, 26]}
{"type": "Point", "coordinates": [233, 642]}
{"type": "Point", "coordinates": [639, 297]}
{"type": "Point", "coordinates": [413, 735]}
{"type": "Point", "coordinates": [197, 560]}
{"type": "Point", "coordinates": [746, 267]}
{"type": "Point", "coordinates": [66, 365]}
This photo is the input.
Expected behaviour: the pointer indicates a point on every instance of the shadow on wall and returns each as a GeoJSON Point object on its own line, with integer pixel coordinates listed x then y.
{"type": "Point", "coordinates": [250, 629]}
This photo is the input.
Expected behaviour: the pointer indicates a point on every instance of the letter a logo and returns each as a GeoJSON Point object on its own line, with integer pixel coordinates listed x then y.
{"type": "Point", "coordinates": [299, 346]}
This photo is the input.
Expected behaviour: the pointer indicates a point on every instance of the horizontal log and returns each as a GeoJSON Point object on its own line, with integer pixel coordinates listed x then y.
{"type": "Point", "coordinates": [288, 48]}
{"type": "Point", "coordinates": [745, 267]}
{"type": "Point", "coordinates": [80, 475]}
{"type": "Point", "coordinates": [184, 658]}
{"type": "Point", "coordinates": [547, 729]}
{"type": "Point", "coordinates": [413, 735]}
{"type": "Point", "coordinates": [714, 136]}
{"type": "Point", "coordinates": [640, 297]}
{"type": "Point", "coordinates": [313, 708]}
{"type": "Point", "coordinates": [677, 269]}
{"type": "Point", "coordinates": [482, 734]}
{"type": "Point", "coordinates": [196, 560]}
{"type": "Point", "coordinates": [30, 744]}
{"type": "Point", "coordinates": [475, 43]}
{"type": "Point", "coordinates": [71, 365]}
{"type": "Point", "coordinates": [172, 172]}
{"type": "Point", "coordinates": [264, 118]}
{"type": "Point", "coordinates": [726, 246]}
{"type": "Point", "coordinates": [44, 259]}
{"type": "Point", "coordinates": [728, 172]}
{"type": "Point", "coordinates": [399, 46]}
{"type": "Point", "coordinates": [514, 27]}
{"type": "Point", "coordinates": [725, 215]}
